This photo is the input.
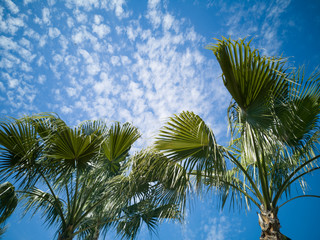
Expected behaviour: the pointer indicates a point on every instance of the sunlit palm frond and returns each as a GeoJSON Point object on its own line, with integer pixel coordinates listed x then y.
{"type": "Point", "coordinates": [186, 137]}
{"type": "Point", "coordinates": [97, 127]}
{"type": "Point", "coordinates": [254, 81]}
{"type": "Point", "coordinates": [119, 140]}
{"type": "Point", "coordinates": [73, 149]}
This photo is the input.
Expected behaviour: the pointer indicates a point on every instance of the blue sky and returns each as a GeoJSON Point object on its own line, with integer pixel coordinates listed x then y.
{"type": "Point", "coordinates": [142, 61]}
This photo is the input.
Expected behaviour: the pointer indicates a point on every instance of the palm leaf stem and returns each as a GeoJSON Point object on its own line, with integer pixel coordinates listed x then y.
{"type": "Point", "coordinates": [286, 183]}
{"type": "Point", "coordinates": [68, 197]}
{"type": "Point", "coordinates": [262, 175]}
{"type": "Point", "coordinates": [244, 192]}
{"type": "Point", "coordinates": [75, 198]}
{"type": "Point", "coordinates": [81, 206]}
{"type": "Point", "coordinates": [254, 186]}
{"type": "Point", "coordinates": [84, 202]}
{"type": "Point", "coordinates": [302, 174]}
{"type": "Point", "coordinates": [301, 196]}
{"type": "Point", "coordinates": [90, 209]}
{"type": "Point", "coordinates": [96, 224]}
{"type": "Point", "coordinates": [54, 196]}
{"type": "Point", "coordinates": [239, 189]}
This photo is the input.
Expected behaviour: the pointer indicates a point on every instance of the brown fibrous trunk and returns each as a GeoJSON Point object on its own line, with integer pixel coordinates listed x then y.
{"type": "Point", "coordinates": [270, 225]}
{"type": "Point", "coordinates": [67, 234]}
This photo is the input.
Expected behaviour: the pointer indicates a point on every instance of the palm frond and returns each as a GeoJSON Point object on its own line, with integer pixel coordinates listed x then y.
{"type": "Point", "coordinates": [8, 201]}
{"type": "Point", "coordinates": [186, 138]}
{"type": "Point", "coordinates": [51, 208]}
{"type": "Point", "coordinates": [119, 140]}
{"type": "Point", "coordinates": [20, 151]}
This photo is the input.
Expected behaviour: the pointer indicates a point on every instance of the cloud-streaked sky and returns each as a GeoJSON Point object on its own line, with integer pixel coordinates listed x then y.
{"type": "Point", "coordinates": [143, 61]}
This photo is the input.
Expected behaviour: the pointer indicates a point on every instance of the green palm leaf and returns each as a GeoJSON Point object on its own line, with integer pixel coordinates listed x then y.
{"type": "Point", "coordinates": [20, 151]}
{"type": "Point", "coordinates": [50, 206]}
{"type": "Point", "coordinates": [8, 201]}
{"type": "Point", "coordinates": [119, 140]}
{"type": "Point", "coordinates": [71, 148]}
{"type": "Point", "coordinates": [254, 81]}
{"type": "Point", "coordinates": [186, 137]}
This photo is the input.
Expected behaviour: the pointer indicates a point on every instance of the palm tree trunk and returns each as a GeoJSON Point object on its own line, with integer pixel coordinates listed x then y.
{"type": "Point", "coordinates": [96, 233]}
{"type": "Point", "coordinates": [270, 225]}
{"type": "Point", "coordinates": [67, 234]}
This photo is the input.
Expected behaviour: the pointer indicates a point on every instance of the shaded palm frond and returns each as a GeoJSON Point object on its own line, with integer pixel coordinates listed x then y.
{"type": "Point", "coordinates": [8, 201]}
{"type": "Point", "coordinates": [50, 206]}
{"type": "Point", "coordinates": [20, 150]}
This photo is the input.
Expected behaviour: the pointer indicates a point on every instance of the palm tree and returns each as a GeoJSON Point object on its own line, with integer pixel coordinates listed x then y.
{"type": "Point", "coordinates": [82, 171]}
{"type": "Point", "coordinates": [274, 123]}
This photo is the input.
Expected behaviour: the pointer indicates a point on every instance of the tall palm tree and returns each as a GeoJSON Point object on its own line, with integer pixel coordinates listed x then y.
{"type": "Point", "coordinates": [82, 171]}
{"type": "Point", "coordinates": [274, 121]}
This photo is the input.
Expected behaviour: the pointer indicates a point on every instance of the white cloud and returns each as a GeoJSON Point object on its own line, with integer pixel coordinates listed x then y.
{"type": "Point", "coordinates": [168, 21]}
{"type": "Point", "coordinates": [80, 16]}
{"type": "Point", "coordinates": [25, 2]}
{"type": "Point", "coordinates": [13, 7]}
{"type": "Point", "coordinates": [57, 58]}
{"type": "Point", "coordinates": [93, 69]}
{"type": "Point", "coordinates": [42, 78]}
{"type": "Point", "coordinates": [2, 87]}
{"type": "Point", "coordinates": [70, 22]}
{"type": "Point", "coordinates": [71, 91]}
{"type": "Point", "coordinates": [105, 86]}
{"type": "Point", "coordinates": [115, 60]}
{"type": "Point", "coordinates": [154, 14]}
{"type": "Point", "coordinates": [46, 15]}
{"type": "Point", "coordinates": [132, 33]}
{"type": "Point", "coordinates": [11, 25]}
{"type": "Point", "coordinates": [81, 35]}
{"type": "Point", "coordinates": [261, 20]}
{"type": "Point", "coordinates": [153, 3]}
{"type": "Point", "coordinates": [12, 82]}
{"type": "Point", "coordinates": [43, 41]}
{"type": "Point", "coordinates": [63, 43]}
{"type": "Point", "coordinates": [25, 43]}
{"type": "Point", "coordinates": [66, 109]}
{"type": "Point", "coordinates": [217, 228]}
{"type": "Point", "coordinates": [51, 2]}
{"type": "Point", "coordinates": [101, 30]}
{"type": "Point", "coordinates": [7, 43]}
{"type": "Point", "coordinates": [40, 61]}
{"type": "Point", "coordinates": [116, 6]}
{"type": "Point", "coordinates": [98, 19]}
{"type": "Point", "coordinates": [85, 4]}
{"type": "Point", "coordinates": [31, 34]}
{"type": "Point", "coordinates": [54, 32]}
{"type": "Point", "coordinates": [125, 60]}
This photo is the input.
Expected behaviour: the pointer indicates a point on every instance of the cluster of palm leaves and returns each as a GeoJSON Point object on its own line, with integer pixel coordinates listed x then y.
{"type": "Point", "coordinates": [91, 184]}
{"type": "Point", "coordinates": [82, 179]}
